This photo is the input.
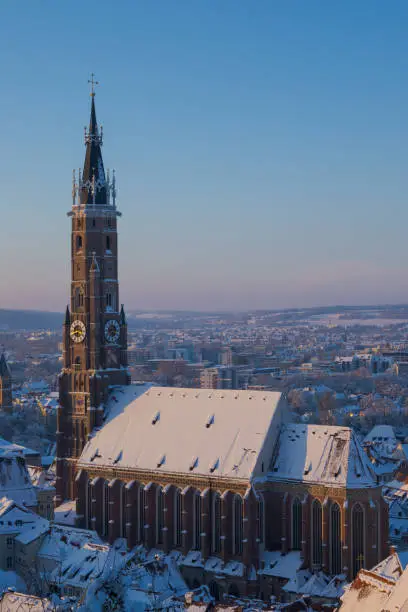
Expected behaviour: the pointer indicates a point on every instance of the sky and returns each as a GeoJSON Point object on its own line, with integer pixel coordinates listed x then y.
{"type": "Point", "coordinates": [260, 149]}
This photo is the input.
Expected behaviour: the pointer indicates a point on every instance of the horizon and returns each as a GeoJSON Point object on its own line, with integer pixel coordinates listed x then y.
{"type": "Point", "coordinates": [259, 150]}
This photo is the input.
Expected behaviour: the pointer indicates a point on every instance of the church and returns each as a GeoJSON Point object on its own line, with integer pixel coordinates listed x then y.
{"type": "Point", "coordinates": [219, 479]}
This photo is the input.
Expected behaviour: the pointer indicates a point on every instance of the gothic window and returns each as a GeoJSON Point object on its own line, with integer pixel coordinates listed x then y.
{"type": "Point", "coordinates": [296, 524]}
{"type": "Point", "coordinates": [335, 539]}
{"type": "Point", "coordinates": [177, 518]}
{"type": "Point", "coordinates": [197, 521]}
{"type": "Point", "coordinates": [110, 302]}
{"type": "Point", "coordinates": [142, 503]}
{"type": "Point", "coordinates": [377, 529]}
{"type": "Point", "coordinates": [261, 519]}
{"type": "Point", "coordinates": [159, 515]}
{"type": "Point", "coordinates": [108, 243]}
{"type": "Point", "coordinates": [237, 525]}
{"type": "Point", "coordinates": [105, 509]}
{"type": "Point", "coordinates": [78, 243]}
{"type": "Point", "coordinates": [317, 549]}
{"type": "Point", "coordinates": [77, 367]}
{"type": "Point", "coordinates": [357, 537]}
{"type": "Point", "coordinates": [216, 526]}
{"type": "Point", "coordinates": [89, 506]}
{"type": "Point", "coordinates": [123, 501]}
{"type": "Point", "coordinates": [79, 297]}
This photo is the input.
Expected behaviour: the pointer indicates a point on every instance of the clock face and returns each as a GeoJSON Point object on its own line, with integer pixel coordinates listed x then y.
{"type": "Point", "coordinates": [78, 331]}
{"type": "Point", "coordinates": [112, 331]}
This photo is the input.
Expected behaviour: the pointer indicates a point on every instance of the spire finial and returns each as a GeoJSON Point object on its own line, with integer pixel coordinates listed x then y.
{"type": "Point", "coordinates": [93, 84]}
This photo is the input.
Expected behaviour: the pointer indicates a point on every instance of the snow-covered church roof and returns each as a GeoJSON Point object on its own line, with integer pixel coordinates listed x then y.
{"type": "Point", "coordinates": [323, 455]}
{"type": "Point", "coordinates": [223, 433]}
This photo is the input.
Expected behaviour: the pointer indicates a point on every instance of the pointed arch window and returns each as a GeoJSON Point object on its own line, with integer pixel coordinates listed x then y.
{"type": "Point", "coordinates": [79, 297]}
{"type": "Point", "coordinates": [296, 524]}
{"type": "Point", "coordinates": [197, 521]}
{"type": "Point", "coordinates": [335, 539]}
{"type": "Point", "coordinates": [159, 515]}
{"type": "Point", "coordinates": [216, 524]}
{"type": "Point", "coordinates": [78, 243]}
{"type": "Point", "coordinates": [123, 502]}
{"type": "Point", "coordinates": [142, 504]}
{"type": "Point", "coordinates": [357, 538]}
{"type": "Point", "coordinates": [108, 243]}
{"type": "Point", "coordinates": [177, 518]}
{"type": "Point", "coordinates": [105, 528]}
{"type": "Point", "coordinates": [261, 519]}
{"type": "Point", "coordinates": [89, 505]}
{"type": "Point", "coordinates": [237, 525]}
{"type": "Point", "coordinates": [317, 545]}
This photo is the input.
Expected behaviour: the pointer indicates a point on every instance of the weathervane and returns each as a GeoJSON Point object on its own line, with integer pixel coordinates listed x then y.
{"type": "Point", "coordinates": [93, 84]}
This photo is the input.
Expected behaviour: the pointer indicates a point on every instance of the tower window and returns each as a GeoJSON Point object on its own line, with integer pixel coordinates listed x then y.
{"type": "Point", "coordinates": [108, 243]}
{"type": "Point", "coordinates": [93, 222]}
{"type": "Point", "coordinates": [78, 243]}
{"type": "Point", "coordinates": [79, 298]}
{"type": "Point", "coordinates": [109, 300]}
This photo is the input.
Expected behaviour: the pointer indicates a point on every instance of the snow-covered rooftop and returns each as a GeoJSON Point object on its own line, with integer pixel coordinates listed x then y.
{"type": "Point", "coordinates": [223, 433]}
{"type": "Point", "coordinates": [15, 482]}
{"type": "Point", "coordinates": [322, 454]}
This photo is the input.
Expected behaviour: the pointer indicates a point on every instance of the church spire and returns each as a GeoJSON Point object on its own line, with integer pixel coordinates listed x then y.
{"type": "Point", "coordinates": [93, 187]}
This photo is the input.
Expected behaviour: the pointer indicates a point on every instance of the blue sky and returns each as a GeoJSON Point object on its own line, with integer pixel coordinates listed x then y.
{"type": "Point", "coordinates": [260, 148]}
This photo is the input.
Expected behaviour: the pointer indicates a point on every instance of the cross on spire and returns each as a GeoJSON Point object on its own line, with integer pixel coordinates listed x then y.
{"type": "Point", "coordinates": [93, 84]}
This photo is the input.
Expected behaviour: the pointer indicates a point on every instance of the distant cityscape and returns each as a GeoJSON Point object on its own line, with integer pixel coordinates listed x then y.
{"type": "Point", "coordinates": [337, 368]}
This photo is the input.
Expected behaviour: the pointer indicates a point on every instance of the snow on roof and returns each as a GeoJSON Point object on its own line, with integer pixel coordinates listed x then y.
{"type": "Point", "coordinates": [284, 566]}
{"type": "Point", "coordinates": [322, 454]}
{"type": "Point", "coordinates": [385, 587]}
{"type": "Point", "coordinates": [398, 601]}
{"type": "Point", "coordinates": [8, 449]}
{"type": "Point", "coordinates": [381, 433]}
{"type": "Point", "coordinates": [65, 514]}
{"type": "Point", "coordinates": [184, 430]}
{"type": "Point", "coordinates": [61, 540]}
{"type": "Point", "coordinates": [20, 602]}
{"type": "Point", "coordinates": [20, 521]}
{"type": "Point", "coordinates": [15, 482]}
{"type": "Point", "coordinates": [85, 564]}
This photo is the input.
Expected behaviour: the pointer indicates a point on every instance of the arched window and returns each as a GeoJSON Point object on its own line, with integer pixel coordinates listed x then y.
{"type": "Point", "coordinates": [357, 538]}
{"type": "Point", "coordinates": [296, 524]}
{"type": "Point", "coordinates": [237, 525]}
{"type": "Point", "coordinates": [110, 301]}
{"type": "Point", "coordinates": [159, 515]}
{"type": "Point", "coordinates": [78, 243]}
{"type": "Point", "coordinates": [197, 521]}
{"type": "Point", "coordinates": [108, 243]}
{"type": "Point", "coordinates": [77, 364]}
{"type": "Point", "coordinates": [79, 298]}
{"type": "Point", "coordinates": [261, 519]}
{"type": "Point", "coordinates": [123, 502]}
{"type": "Point", "coordinates": [317, 555]}
{"type": "Point", "coordinates": [105, 529]}
{"type": "Point", "coordinates": [89, 498]}
{"type": "Point", "coordinates": [335, 539]}
{"type": "Point", "coordinates": [177, 518]}
{"type": "Point", "coordinates": [142, 504]}
{"type": "Point", "coordinates": [377, 527]}
{"type": "Point", "coordinates": [216, 523]}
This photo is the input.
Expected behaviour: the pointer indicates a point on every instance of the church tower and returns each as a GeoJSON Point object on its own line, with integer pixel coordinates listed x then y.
{"type": "Point", "coordinates": [94, 330]}
{"type": "Point", "coordinates": [6, 393]}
